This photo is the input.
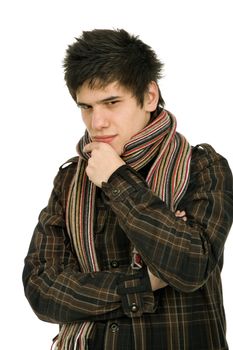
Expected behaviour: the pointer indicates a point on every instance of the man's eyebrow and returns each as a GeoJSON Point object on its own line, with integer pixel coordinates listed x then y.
{"type": "Point", "coordinates": [82, 104]}
{"type": "Point", "coordinates": [107, 99]}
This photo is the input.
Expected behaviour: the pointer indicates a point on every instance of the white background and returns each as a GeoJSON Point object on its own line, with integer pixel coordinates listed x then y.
{"type": "Point", "coordinates": [40, 124]}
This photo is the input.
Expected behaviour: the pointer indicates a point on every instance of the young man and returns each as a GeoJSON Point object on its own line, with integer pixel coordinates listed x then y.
{"type": "Point", "coordinates": [128, 253]}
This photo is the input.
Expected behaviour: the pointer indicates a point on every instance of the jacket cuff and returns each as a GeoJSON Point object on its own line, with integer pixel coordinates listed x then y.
{"type": "Point", "coordinates": [123, 182]}
{"type": "Point", "coordinates": [136, 294]}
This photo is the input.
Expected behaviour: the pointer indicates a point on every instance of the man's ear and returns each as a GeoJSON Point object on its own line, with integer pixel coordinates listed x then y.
{"type": "Point", "coordinates": [151, 98]}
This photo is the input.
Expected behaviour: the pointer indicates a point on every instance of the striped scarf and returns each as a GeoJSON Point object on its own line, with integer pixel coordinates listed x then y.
{"type": "Point", "coordinates": [167, 177]}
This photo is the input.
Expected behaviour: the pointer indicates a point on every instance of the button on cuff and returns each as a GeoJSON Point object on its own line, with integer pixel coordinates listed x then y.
{"type": "Point", "coordinates": [115, 192]}
{"type": "Point", "coordinates": [134, 307]}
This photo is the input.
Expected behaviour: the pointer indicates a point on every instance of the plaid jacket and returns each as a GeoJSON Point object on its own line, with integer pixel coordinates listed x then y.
{"type": "Point", "coordinates": [188, 314]}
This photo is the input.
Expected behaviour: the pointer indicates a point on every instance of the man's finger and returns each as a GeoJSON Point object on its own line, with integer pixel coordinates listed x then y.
{"type": "Point", "coordinates": [90, 146]}
{"type": "Point", "coordinates": [181, 214]}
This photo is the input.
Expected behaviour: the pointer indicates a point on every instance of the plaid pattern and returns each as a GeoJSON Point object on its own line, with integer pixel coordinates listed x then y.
{"type": "Point", "coordinates": [188, 314]}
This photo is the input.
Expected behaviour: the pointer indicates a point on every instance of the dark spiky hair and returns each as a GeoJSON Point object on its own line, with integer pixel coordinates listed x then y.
{"type": "Point", "coordinates": [103, 56]}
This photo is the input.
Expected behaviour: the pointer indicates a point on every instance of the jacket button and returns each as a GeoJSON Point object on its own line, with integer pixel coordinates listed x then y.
{"type": "Point", "coordinates": [115, 192]}
{"type": "Point", "coordinates": [134, 307]}
{"type": "Point", "coordinates": [114, 327]}
{"type": "Point", "coordinates": [114, 263]}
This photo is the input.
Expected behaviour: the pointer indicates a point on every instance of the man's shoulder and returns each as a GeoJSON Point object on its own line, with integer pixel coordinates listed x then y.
{"type": "Point", "coordinates": [70, 162]}
{"type": "Point", "coordinates": [204, 155]}
{"type": "Point", "coordinates": [66, 173]}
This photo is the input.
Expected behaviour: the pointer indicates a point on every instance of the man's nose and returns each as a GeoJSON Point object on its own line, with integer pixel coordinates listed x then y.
{"type": "Point", "coordinates": [99, 118]}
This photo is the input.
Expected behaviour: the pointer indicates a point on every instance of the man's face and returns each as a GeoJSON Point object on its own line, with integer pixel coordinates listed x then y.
{"type": "Point", "coordinates": [111, 114]}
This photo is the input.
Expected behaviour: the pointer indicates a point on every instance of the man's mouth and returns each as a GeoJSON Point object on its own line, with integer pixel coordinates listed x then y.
{"type": "Point", "coordinates": [106, 139]}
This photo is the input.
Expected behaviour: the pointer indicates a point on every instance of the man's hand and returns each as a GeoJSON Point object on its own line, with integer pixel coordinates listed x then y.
{"type": "Point", "coordinates": [103, 162]}
{"type": "Point", "coordinates": [157, 283]}
{"type": "Point", "coordinates": [181, 214]}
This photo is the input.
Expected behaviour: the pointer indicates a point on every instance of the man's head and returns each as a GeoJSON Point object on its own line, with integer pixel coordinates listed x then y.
{"type": "Point", "coordinates": [112, 114]}
{"type": "Point", "coordinates": [100, 57]}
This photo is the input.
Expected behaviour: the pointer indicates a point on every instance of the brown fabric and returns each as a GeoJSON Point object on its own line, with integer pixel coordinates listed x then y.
{"type": "Point", "coordinates": [189, 313]}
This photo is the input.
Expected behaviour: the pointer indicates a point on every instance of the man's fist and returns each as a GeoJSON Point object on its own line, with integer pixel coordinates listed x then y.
{"type": "Point", "coordinates": [103, 162]}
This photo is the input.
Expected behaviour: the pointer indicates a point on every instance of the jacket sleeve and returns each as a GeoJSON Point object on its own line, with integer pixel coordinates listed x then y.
{"type": "Point", "coordinates": [54, 286]}
{"type": "Point", "coordinates": [183, 254]}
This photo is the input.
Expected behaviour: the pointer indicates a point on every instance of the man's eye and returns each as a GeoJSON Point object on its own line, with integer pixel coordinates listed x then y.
{"type": "Point", "coordinates": [110, 103]}
{"type": "Point", "coordinates": [84, 107]}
